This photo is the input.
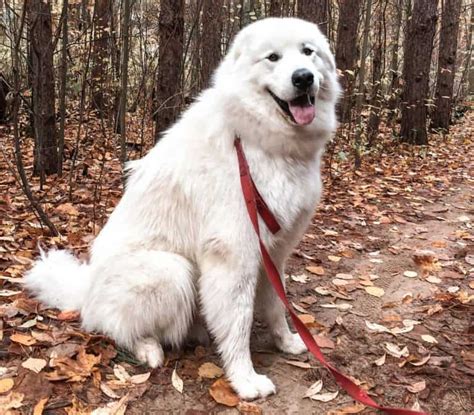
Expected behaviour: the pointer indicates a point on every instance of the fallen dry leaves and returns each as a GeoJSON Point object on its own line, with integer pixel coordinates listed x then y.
{"type": "Point", "coordinates": [222, 393]}
{"type": "Point", "coordinates": [402, 222]}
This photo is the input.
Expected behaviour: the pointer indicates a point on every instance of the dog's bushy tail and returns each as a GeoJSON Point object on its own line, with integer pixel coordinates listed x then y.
{"type": "Point", "coordinates": [59, 280]}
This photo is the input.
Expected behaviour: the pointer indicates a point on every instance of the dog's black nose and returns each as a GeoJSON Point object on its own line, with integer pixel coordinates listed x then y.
{"type": "Point", "coordinates": [302, 79]}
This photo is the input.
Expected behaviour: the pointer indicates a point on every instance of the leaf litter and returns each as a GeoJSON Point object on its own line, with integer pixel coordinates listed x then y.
{"type": "Point", "coordinates": [359, 223]}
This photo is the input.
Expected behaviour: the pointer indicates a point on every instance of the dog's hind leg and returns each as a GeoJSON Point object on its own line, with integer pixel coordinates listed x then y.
{"type": "Point", "coordinates": [142, 300]}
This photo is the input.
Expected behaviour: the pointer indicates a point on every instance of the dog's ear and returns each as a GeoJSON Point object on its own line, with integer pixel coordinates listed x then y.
{"type": "Point", "coordinates": [328, 58]}
{"type": "Point", "coordinates": [236, 48]}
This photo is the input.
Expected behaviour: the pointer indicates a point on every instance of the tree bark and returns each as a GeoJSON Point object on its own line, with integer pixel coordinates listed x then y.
{"type": "Point", "coordinates": [276, 8]}
{"type": "Point", "coordinates": [347, 52]}
{"type": "Point", "coordinates": [394, 59]}
{"type": "Point", "coordinates": [101, 22]}
{"type": "Point", "coordinates": [62, 96]}
{"type": "Point", "coordinates": [212, 36]}
{"type": "Point", "coordinates": [360, 88]}
{"type": "Point", "coordinates": [377, 58]}
{"type": "Point", "coordinates": [441, 117]}
{"type": "Point", "coordinates": [316, 11]}
{"type": "Point", "coordinates": [416, 70]}
{"type": "Point", "coordinates": [124, 79]}
{"type": "Point", "coordinates": [46, 146]}
{"type": "Point", "coordinates": [168, 84]}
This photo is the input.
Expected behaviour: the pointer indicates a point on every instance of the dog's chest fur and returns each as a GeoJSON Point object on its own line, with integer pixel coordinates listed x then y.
{"type": "Point", "coordinates": [291, 188]}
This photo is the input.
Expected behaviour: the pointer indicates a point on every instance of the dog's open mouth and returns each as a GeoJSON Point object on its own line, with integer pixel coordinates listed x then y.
{"type": "Point", "coordinates": [299, 110]}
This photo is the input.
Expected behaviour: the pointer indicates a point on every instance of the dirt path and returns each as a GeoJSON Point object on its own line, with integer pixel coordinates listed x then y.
{"type": "Point", "coordinates": [441, 228]}
{"type": "Point", "coordinates": [358, 277]}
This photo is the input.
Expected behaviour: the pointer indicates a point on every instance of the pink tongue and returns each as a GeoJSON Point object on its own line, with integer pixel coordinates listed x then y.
{"type": "Point", "coordinates": [302, 115]}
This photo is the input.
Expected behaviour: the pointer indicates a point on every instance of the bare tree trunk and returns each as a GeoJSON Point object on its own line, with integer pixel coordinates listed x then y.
{"type": "Point", "coordinates": [346, 52]}
{"type": "Point", "coordinates": [124, 79]}
{"type": "Point", "coordinates": [316, 11]}
{"type": "Point", "coordinates": [212, 35]}
{"type": "Point", "coordinates": [375, 100]}
{"type": "Point", "coordinates": [394, 59]}
{"type": "Point", "coordinates": [168, 83]}
{"type": "Point", "coordinates": [469, 64]}
{"type": "Point", "coordinates": [62, 96]}
{"type": "Point", "coordinates": [360, 88]}
{"type": "Point", "coordinates": [46, 146]}
{"type": "Point", "coordinates": [441, 117]}
{"type": "Point", "coordinates": [101, 22]}
{"type": "Point", "coordinates": [416, 71]}
{"type": "Point", "coordinates": [16, 134]}
{"type": "Point", "coordinates": [276, 9]}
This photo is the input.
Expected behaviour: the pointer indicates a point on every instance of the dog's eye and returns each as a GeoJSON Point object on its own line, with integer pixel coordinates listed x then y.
{"type": "Point", "coordinates": [307, 51]}
{"type": "Point", "coordinates": [273, 57]}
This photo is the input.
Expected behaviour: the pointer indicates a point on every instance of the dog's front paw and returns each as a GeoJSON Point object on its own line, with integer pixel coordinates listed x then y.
{"type": "Point", "coordinates": [291, 344]}
{"type": "Point", "coordinates": [253, 386]}
{"type": "Point", "coordinates": [149, 351]}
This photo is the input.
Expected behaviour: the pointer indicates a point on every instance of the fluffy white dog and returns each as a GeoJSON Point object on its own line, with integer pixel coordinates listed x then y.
{"type": "Point", "coordinates": [180, 242]}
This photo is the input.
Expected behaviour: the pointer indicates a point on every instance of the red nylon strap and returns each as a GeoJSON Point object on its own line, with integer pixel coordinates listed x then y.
{"type": "Point", "coordinates": [255, 206]}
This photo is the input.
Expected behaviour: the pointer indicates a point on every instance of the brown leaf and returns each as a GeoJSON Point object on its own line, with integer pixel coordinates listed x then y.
{"type": "Point", "coordinates": [69, 315]}
{"type": "Point", "coordinates": [141, 378]}
{"type": "Point", "coordinates": [375, 291]}
{"type": "Point", "coordinates": [39, 407]}
{"type": "Point", "coordinates": [297, 363]}
{"type": "Point", "coordinates": [306, 318]}
{"type": "Point", "coordinates": [315, 270]}
{"type": "Point", "coordinates": [177, 382]}
{"type": "Point", "coordinates": [35, 365]}
{"type": "Point", "coordinates": [417, 387]}
{"type": "Point", "coordinates": [324, 342]}
{"type": "Point", "coordinates": [420, 362]}
{"type": "Point", "coordinates": [74, 370]}
{"type": "Point", "coordinates": [346, 410]}
{"type": "Point", "coordinates": [222, 393]}
{"type": "Point", "coordinates": [67, 209]}
{"type": "Point", "coordinates": [24, 339]}
{"type": "Point", "coordinates": [209, 370]}
{"type": "Point", "coordinates": [249, 408]}
{"type": "Point", "coordinates": [426, 261]}
{"type": "Point", "coordinates": [6, 385]}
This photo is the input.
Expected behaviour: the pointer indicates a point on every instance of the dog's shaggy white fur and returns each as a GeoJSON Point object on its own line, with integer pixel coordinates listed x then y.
{"type": "Point", "coordinates": [180, 244]}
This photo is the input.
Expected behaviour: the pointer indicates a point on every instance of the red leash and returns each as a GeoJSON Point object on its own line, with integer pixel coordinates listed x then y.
{"type": "Point", "coordinates": [257, 206]}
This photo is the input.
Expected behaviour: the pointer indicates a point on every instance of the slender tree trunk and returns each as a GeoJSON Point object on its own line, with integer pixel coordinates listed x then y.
{"type": "Point", "coordinates": [16, 121]}
{"type": "Point", "coordinates": [46, 146]}
{"type": "Point", "coordinates": [469, 64]}
{"type": "Point", "coordinates": [416, 71]}
{"type": "Point", "coordinates": [346, 52]}
{"type": "Point", "coordinates": [360, 88]}
{"type": "Point", "coordinates": [168, 84]}
{"type": "Point", "coordinates": [394, 59]}
{"type": "Point", "coordinates": [124, 79]}
{"type": "Point", "coordinates": [276, 9]}
{"type": "Point", "coordinates": [375, 100]}
{"type": "Point", "coordinates": [316, 11]}
{"type": "Point", "coordinates": [62, 96]}
{"type": "Point", "coordinates": [212, 35]}
{"type": "Point", "coordinates": [441, 117]}
{"type": "Point", "coordinates": [101, 22]}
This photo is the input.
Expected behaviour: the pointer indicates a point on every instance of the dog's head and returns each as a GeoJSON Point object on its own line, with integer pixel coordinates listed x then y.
{"type": "Point", "coordinates": [281, 67]}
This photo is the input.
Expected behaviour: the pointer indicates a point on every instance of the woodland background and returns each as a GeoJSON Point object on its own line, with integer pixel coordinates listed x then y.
{"type": "Point", "coordinates": [133, 65]}
{"type": "Point", "coordinates": [384, 276]}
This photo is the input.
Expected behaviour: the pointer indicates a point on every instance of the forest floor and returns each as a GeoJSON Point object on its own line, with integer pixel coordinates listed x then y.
{"type": "Point", "coordinates": [383, 277]}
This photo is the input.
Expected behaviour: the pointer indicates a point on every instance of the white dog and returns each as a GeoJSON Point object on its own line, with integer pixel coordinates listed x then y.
{"type": "Point", "coordinates": [181, 237]}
